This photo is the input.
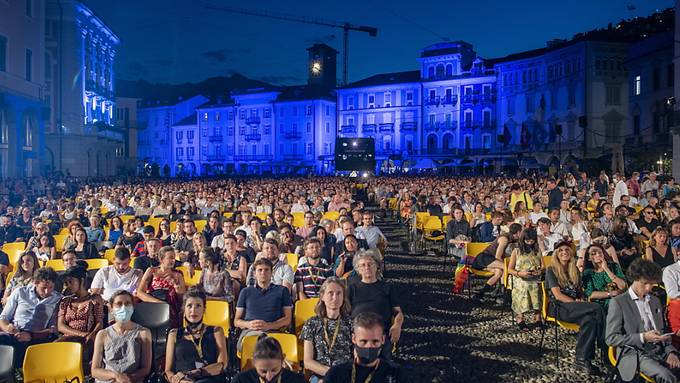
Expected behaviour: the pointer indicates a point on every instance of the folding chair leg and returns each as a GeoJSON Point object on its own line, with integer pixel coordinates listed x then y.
{"type": "Point", "coordinates": [540, 344]}
{"type": "Point", "coordinates": [557, 350]}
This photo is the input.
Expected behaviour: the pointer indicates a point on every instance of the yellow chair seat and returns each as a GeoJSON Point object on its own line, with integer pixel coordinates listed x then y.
{"type": "Point", "coordinates": [14, 246]}
{"type": "Point", "coordinates": [53, 362]}
{"type": "Point", "coordinates": [96, 264]}
{"type": "Point", "coordinates": [55, 264]}
{"type": "Point", "coordinates": [611, 353]}
{"type": "Point", "coordinates": [304, 309]}
{"type": "Point", "coordinates": [188, 279]}
{"type": "Point", "coordinates": [292, 260]}
{"type": "Point", "coordinates": [217, 313]}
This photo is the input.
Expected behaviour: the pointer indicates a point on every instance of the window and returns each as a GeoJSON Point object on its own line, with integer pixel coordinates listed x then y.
{"type": "Point", "coordinates": [486, 89]}
{"type": "Point", "coordinates": [3, 53]}
{"type": "Point", "coordinates": [267, 113]}
{"type": "Point", "coordinates": [656, 79]}
{"type": "Point", "coordinates": [310, 148]}
{"type": "Point", "coordinates": [432, 119]}
{"type": "Point", "coordinates": [267, 129]}
{"type": "Point", "coordinates": [217, 131]}
{"type": "Point", "coordinates": [309, 127]}
{"type": "Point", "coordinates": [253, 149]}
{"type": "Point", "coordinates": [486, 141]}
{"type": "Point", "coordinates": [430, 72]}
{"type": "Point", "coordinates": [486, 118]}
{"type": "Point", "coordinates": [308, 110]}
{"type": "Point", "coordinates": [388, 99]}
{"type": "Point", "coordinates": [218, 151]}
{"type": "Point", "coordinates": [326, 149]}
{"type": "Point", "coordinates": [204, 132]}
{"type": "Point", "coordinates": [387, 118]}
{"type": "Point", "coordinates": [637, 85]}
{"type": "Point", "coordinates": [468, 141]}
{"type": "Point", "coordinates": [468, 91]}
{"type": "Point", "coordinates": [180, 152]}
{"type": "Point", "coordinates": [241, 149]}
{"type": "Point", "coordinates": [449, 70]}
{"type": "Point", "coordinates": [190, 136]}
{"type": "Point", "coordinates": [29, 132]}
{"type": "Point", "coordinates": [371, 100]}
{"type": "Point", "coordinates": [217, 116]}
{"type": "Point", "coordinates": [613, 96]}
{"type": "Point", "coordinates": [350, 102]}
{"type": "Point", "coordinates": [328, 110]}
{"type": "Point", "coordinates": [266, 149]}
{"type": "Point", "coordinates": [230, 130]}
{"type": "Point", "coordinates": [242, 114]}
{"type": "Point", "coordinates": [204, 150]}
{"type": "Point", "coordinates": [29, 65]}
{"type": "Point", "coordinates": [328, 127]}
{"type": "Point", "coordinates": [350, 121]}
{"type": "Point", "coordinates": [409, 98]}
{"type": "Point", "coordinates": [370, 119]}
{"type": "Point", "coordinates": [433, 94]}
{"type": "Point", "coordinates": [190, 153]}
{"type": "Point", "coordinates": [242, 130]}
{"type": "Point", "coordinates": [178, 136]}
{"type": "Point", "coordinates": [253, 113]}
{"type": "Point", "coordinates": [468, 118]}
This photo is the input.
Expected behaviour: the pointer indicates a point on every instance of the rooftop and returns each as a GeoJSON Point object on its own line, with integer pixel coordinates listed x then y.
{"type": "Point", "coordinates": [386, 79]}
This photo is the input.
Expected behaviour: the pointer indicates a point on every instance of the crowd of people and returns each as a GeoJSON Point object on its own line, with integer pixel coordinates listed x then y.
{"type": "Point", "coordinates": [264, 246]}
{"type": "Point", "coordinates": [604, 250]}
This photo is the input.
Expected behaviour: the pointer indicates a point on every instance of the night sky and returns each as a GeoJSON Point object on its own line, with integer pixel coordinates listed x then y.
{"type": "Point", "coordinates": [177, 41]}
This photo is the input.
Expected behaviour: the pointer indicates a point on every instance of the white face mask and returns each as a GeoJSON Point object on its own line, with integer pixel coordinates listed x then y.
{"type": "Point", "coordinates": [123, 314]}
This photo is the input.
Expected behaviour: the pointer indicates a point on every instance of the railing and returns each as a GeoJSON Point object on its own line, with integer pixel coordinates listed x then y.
{"type": "Point", "coordinates": [444, 125]}
{"type": "Point", "coordinates": [409, 126]}
{"type": "Point", "coordinates": [293, 157]}
{"type": "Point", "coordinates": [348, 129]}
{"type": "Point", "coordinates": [453, 99]}
{"type": "Point", "coordinates": [215, 138]}
{"type": "Point", "coordinates": [470, 99]}
{"type": "Point", "coordinates": [253, 137]}
{"type": "Point", "coordinates": [469, 125]}
{"type": "Point", "coordinates": [432, 100]}
{"type": "Point", "coordinates": [368, 128]}
{"type": "Point", "coordinates": [292, 135]}
{"type": "Point", "coordinates": [253, 120]}
{"type": "Point", "coordinates": [254, 157]}
{"type": "Point", "coordinates": [386, 127]}
{"type": "Point", "coordinates": [214, 157]}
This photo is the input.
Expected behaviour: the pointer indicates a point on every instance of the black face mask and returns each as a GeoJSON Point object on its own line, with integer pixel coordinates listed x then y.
{"type": "Point", "coordinates": [368, 355]}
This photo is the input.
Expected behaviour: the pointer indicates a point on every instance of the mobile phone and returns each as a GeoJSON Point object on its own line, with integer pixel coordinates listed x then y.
{"type": "Point", "coordinates": [668, 334]}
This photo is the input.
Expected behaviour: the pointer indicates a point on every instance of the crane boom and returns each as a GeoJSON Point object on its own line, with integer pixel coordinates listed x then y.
{"type": "Point", "coordinates": [346, 27]}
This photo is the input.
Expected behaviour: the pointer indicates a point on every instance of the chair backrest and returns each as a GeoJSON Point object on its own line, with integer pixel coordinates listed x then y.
{"type": "Point", "coordinates": [332, 215]}
{"type": "Point", "coordinates": [544, 302]}
{"type": "Point", "coordinates": [59, 241]}
{"type": "Point", "coordinates": [152, 315]}
{"type": "Point", "coordinates": [13, 255]}
{"type": "Point", "coordinates": [432, 223]}
{"type": "Point", "coordinates": [304, 309]}
{"type": "Point", "coordinates": [6, 360]}
{"type": "Point", "coordinates": [288, 343]}
{"type": "Point", "coordinates": [14, 245]}
{"type": "Point", "coordinates": [292, 260]}
{"type": "Point", "coordinates": [217, 313]}
{"type": "Point", "coordinates": [261, 215]}
{"type": "Point", "coordinates": [446, 219]}
{"type": "Point", "coordinates": [56, 264]}
{"type": "Point", "coordinates": [200, 224]}
{"type": "Point", "coordinates": [421, 217]}
{"type": "Point", "coordinates": [110, 255]}
{"type": "Point", "coordinates": [126, 218]}
{"type": "Point", "coordinates": [53, 362]}
{"type": "Point", "coordinates": [188, 279]}
{"type": "Point", "coordinates": [298, 219]}
{"type": "Point", "coordinates": [474, 248]}
{"type": "Point", "coordinates": [96, 263]}
{"type": "Point", "coordinates": [547, 260]}
{"type": "Point", "coordinates": [63, 231]}
{"type": "Point", "coordinates": [10, 275]}
{"type": "Point", "coordinates": [228, 214]}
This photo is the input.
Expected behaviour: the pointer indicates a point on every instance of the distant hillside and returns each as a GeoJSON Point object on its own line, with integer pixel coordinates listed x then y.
{"type": "Point", "coordinates": [212, 87]}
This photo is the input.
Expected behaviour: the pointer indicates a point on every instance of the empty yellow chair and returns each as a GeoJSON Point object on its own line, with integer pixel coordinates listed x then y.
{"type": "Point", "coordinates": [332, 215]}
{"type": "Point", "coordinates": [217, 313]}
{"type": "Point", "coordinates": [292, 260]}
{"type": "Point", "coordinates": [200, 225]}
{"type": "Point", "coordinates": [188, 279]}
{"type": "Point", "coordinates": [59, 241]}
{"type": "Point", "coordinates": [97, 263]}
{"type": "Point", "coordinates": [56, 264]}
{"type": "Point", "coordinates": [14, 245]}
{"type": "Point", "coordinates": [304, 309]}
{"type": "Point", "coordinates": [288, 343]}
{"type": "Point", "coordinates": [110, 255]}
{"type": "Point", "coordinates": [53, 362]}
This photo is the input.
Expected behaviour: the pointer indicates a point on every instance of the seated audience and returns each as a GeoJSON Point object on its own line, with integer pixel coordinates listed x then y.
{"type": "Point", "coordinates": [268, 365]}
{"type": "Point", "coordinates": [163, 284]}
{"type": "Point", "coordinates": [82, 247]}
{"type": "Point", "coordinates": [602, 279]}
{"type": "Point", "coordinates": [312, 270]}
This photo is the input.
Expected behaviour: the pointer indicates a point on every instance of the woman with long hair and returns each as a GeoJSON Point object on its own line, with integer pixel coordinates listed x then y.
{"type": "Point", "coordinates": [526, 268]}
{"type": "Point", "coordinates": [602, 278]}
{"type": "Point", "coordinates": [195, 352]}
{"type": "Point", "coordinates": [567, 303]}
{"type": "Point", "coordinates": [659, 250]}
{"type": "Point", "coordinates": [268, 364]}
{"type": "Point", "coordinates": [116, 229]}
{"type": "Point", "coordinates": [623, 242]}
{"type": "Point", "coordinates": [163, 284]}
{"type": "Point", "coordinates": [82, 247]}
{"type": "Point", "coordinates": [327, 245]}
{"type": "Point", "coordinates": [164, 234]}
{"type": "Point", "coordinates": [234, 262]}
{"type": "Point", "coordinates": [327, 336]}
{"type": "Point", "coordinates": [26, 266]}
{"type": "Point", "coordinates": [215, 281]}
{"type": "Point", "coordinates": [71, 237]}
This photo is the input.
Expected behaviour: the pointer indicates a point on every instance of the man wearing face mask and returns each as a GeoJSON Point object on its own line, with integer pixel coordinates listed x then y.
{"type": "Point", "coordinates": [30, 315]}
{"type": "Point", "coordinates": [367, 365]}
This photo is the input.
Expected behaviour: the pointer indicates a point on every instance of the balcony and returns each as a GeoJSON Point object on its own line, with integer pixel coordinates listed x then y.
{"type": "Point", "coordinates": [253, 120]}
{"type": "Point", "coordinates": [348, 129]}
{"type": "Point", "coordinates": [368, 128]}
{"type": "Point", "coordinates": [292, 135]}
{"type": "Point", "coordinates": [409, 126]}
{"type": "Point", "coordinates": [215, 138]}
{"type": "Point", "coordinates": [443, 125]}
{"type": "Point", "coordinates": [471, 99]}
{"type": "Point", "coordinates": [452, 100]}
{"type": "Point", "coordinates": [254, 157]}
{"type": "Point", "coordinates": [214, 157]}
{"type": "Point", "coordinates": [253, 137]}
{"type": "Point", "coordinates": [469, 125]}
{"type": "Point", "coordinates": [432, 100]}
{"type": "Point", "coordinates": [386, 127]}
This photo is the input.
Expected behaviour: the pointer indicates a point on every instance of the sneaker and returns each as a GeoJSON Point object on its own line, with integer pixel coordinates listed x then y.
{"type": "Point", "coordinates": [586, 367]}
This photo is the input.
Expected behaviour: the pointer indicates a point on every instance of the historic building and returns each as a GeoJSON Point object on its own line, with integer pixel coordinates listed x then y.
{"type": "Point", "coordinates": [24, 104]}
{"type": "Point", "coordinates": [79, 87]}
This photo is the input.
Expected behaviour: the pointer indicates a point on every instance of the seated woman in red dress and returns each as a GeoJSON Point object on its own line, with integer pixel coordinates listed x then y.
{"type": "Point", "coordinates": [164, 284]}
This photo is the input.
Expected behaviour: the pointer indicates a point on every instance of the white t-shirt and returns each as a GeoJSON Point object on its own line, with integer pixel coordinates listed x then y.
{"type": "Point", "coordinates": [110, 281]}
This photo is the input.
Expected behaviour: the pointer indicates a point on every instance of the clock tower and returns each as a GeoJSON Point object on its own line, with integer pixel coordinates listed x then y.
{"type": "Point", "coordinates": [322, 66]}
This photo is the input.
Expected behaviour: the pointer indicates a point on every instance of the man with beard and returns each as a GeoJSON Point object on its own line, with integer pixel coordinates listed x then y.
{"type": "Point", "coordinates": [312, 270]}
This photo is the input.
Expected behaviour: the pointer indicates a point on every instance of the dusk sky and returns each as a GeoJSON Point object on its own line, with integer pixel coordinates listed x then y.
{"type": "Point", "coordinates": [177, 41]}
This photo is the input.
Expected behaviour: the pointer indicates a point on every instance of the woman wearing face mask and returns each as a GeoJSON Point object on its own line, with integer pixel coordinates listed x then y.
{"type": "Point", "coordinates": [197, 352]}
{"type": "Point", "coordinates": [81, 314]}
{"type": "Point", "coordinates": [122, 351]}
{"type": "Point", "coordinates": [328, 335]}
{"type": "Point", "coordinates": [526, 268]}
{"type": "Point", "coordinates": [268, 360]}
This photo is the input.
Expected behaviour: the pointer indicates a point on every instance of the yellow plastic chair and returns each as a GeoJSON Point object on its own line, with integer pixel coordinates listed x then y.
{"type": "Point", "coordinates": [53, 362]}
{"type": "Point", "coordinates": [188, 279]}
{"type": "Point", "coordinates": [14, 246]}
{"type": "Point", "coordinates": [14, 255]}
{"type": "Point", "coordinates": [304, 309]}
{"type": "Point", "coordinates": [474, 248]}
{"type": "Point", "coordinates": [446, 219]}
{"type": "Point", "coordinates": [200, 225]}
{"type": "Point", "coordinates": [126, 218]}
{"type": "Point", "coordinates": [468, 216]}
{"type": "Point", "coordinates": [262, 216]}
{"type": "Point", "coordinates": [155, 222]}
{"type": "Point", "coordinates": [217, 313]}
{"type": "Point", "coordinates": [292, 260]}
{"type": "Point", "coordinates": [110, 255]}
{"type": "Point", "coordinates": [547, 261]}
{"type": "Point", "coordinates": [557, 323]}
{"type": "Point", "coordinates": [56, 264]}
{"type": "Point", "coordinates": [392, 203]}
{"type": "Point", "coordinates": [96, 264]}
{"type": "Point", "coordinates": [288, 342]}
{"type": "Point", "coordinates": [421, 218]}
{"type": "Point", "coordinates": [63, 231]}
{"type": "Point", "coordinates": [432, 225]}
{"type": "Point", "coordinates": [611, 353]}
{"type": "Point", "coordinates": [333, 215]}
{"type": "Point", "coordinates": [10, 275]}
{"type": "Point", "coordinates": [59, 241]}
{"type": "Point", "coordinates": [228, 214]}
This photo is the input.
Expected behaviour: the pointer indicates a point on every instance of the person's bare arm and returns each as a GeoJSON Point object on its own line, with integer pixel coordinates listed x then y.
{"type": "Point", "coordinates": [310, 363]}
{"type": "Point", "coordinates": [144, 285]}
{"type": "Point", "coordinates": [500, 251]}
{"type": "Point", "coordinates": [98, 370]}
{"type": "Point", "coordinates": [145, 368]}
{"type": "Point", "coordinates": [397, 323]}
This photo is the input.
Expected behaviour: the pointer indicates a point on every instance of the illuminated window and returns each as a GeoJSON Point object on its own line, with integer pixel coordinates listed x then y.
{"type": "Point", "coordinates": [308, 110]}
{"type": "Point", "coordinates": [309, 127]}
{"type": "Point", "coordinates": [371, 100]}
{"type": "Point", "coordinates": [388, 99]}
{"type": "Point", "coordinates": [637, 85]}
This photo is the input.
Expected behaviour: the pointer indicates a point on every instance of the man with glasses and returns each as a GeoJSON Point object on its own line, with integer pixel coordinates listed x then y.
{"type": "Point", "coordinates": [648, 223]}
{"type": "Point", "coordinates": [227, 229]}
{"type": "Point", "coordinates": [307, 228]}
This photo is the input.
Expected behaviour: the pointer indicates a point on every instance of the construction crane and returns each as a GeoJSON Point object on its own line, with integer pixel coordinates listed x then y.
{"type": "Point", "coordinates": [345, 26]}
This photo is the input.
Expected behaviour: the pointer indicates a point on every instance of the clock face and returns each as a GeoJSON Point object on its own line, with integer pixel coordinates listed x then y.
{"type": "Point", "coordinates": [316, 68]}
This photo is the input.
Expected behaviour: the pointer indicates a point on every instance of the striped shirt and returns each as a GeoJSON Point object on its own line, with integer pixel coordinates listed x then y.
{"type": "Point", "coordinates": [312, 277]}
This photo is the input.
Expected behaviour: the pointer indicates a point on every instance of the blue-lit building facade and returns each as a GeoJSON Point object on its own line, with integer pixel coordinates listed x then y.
{"type": "Point", "coordinates": [23, 108]}
{"type": "Point", "coordinates": [80, 51]}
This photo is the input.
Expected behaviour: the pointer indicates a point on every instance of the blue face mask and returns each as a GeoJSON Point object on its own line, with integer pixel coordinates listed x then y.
{"type": "Point", "coordinates": [123, 314]}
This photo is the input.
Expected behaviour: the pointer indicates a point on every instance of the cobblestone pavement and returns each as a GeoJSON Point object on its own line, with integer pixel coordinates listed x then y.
{"type": "Point", "coordinates": [451, 338]}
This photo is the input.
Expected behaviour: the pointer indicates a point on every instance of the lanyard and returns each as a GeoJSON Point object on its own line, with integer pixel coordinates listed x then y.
{"type": "Point", "coordinates": [331, 343]}
{"type": "Point", "coordinates": [261, 380]}
{"type": "Point", "coordinates": [198, 346]}
{"type": "Point", "coordinates": [368, 378]}
{"type": "Point", "coordinates": [314, 277]}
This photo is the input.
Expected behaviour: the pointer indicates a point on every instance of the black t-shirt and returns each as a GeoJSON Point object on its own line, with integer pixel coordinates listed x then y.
{"type": "Point", "coordinates": [130, 242]}
{"type": "Point", "coordinates": [251, 376]}
{"type": "Point", "coordinates": [648, 225]}
{"type": "Point", "coordinates": [4, 259]}
{"type": "Point", "coordinates": [342, 373]}
{"type": "Point", "coordinates": [378, 297]}
{"type": "Point", "coordinates": [143, 263]}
